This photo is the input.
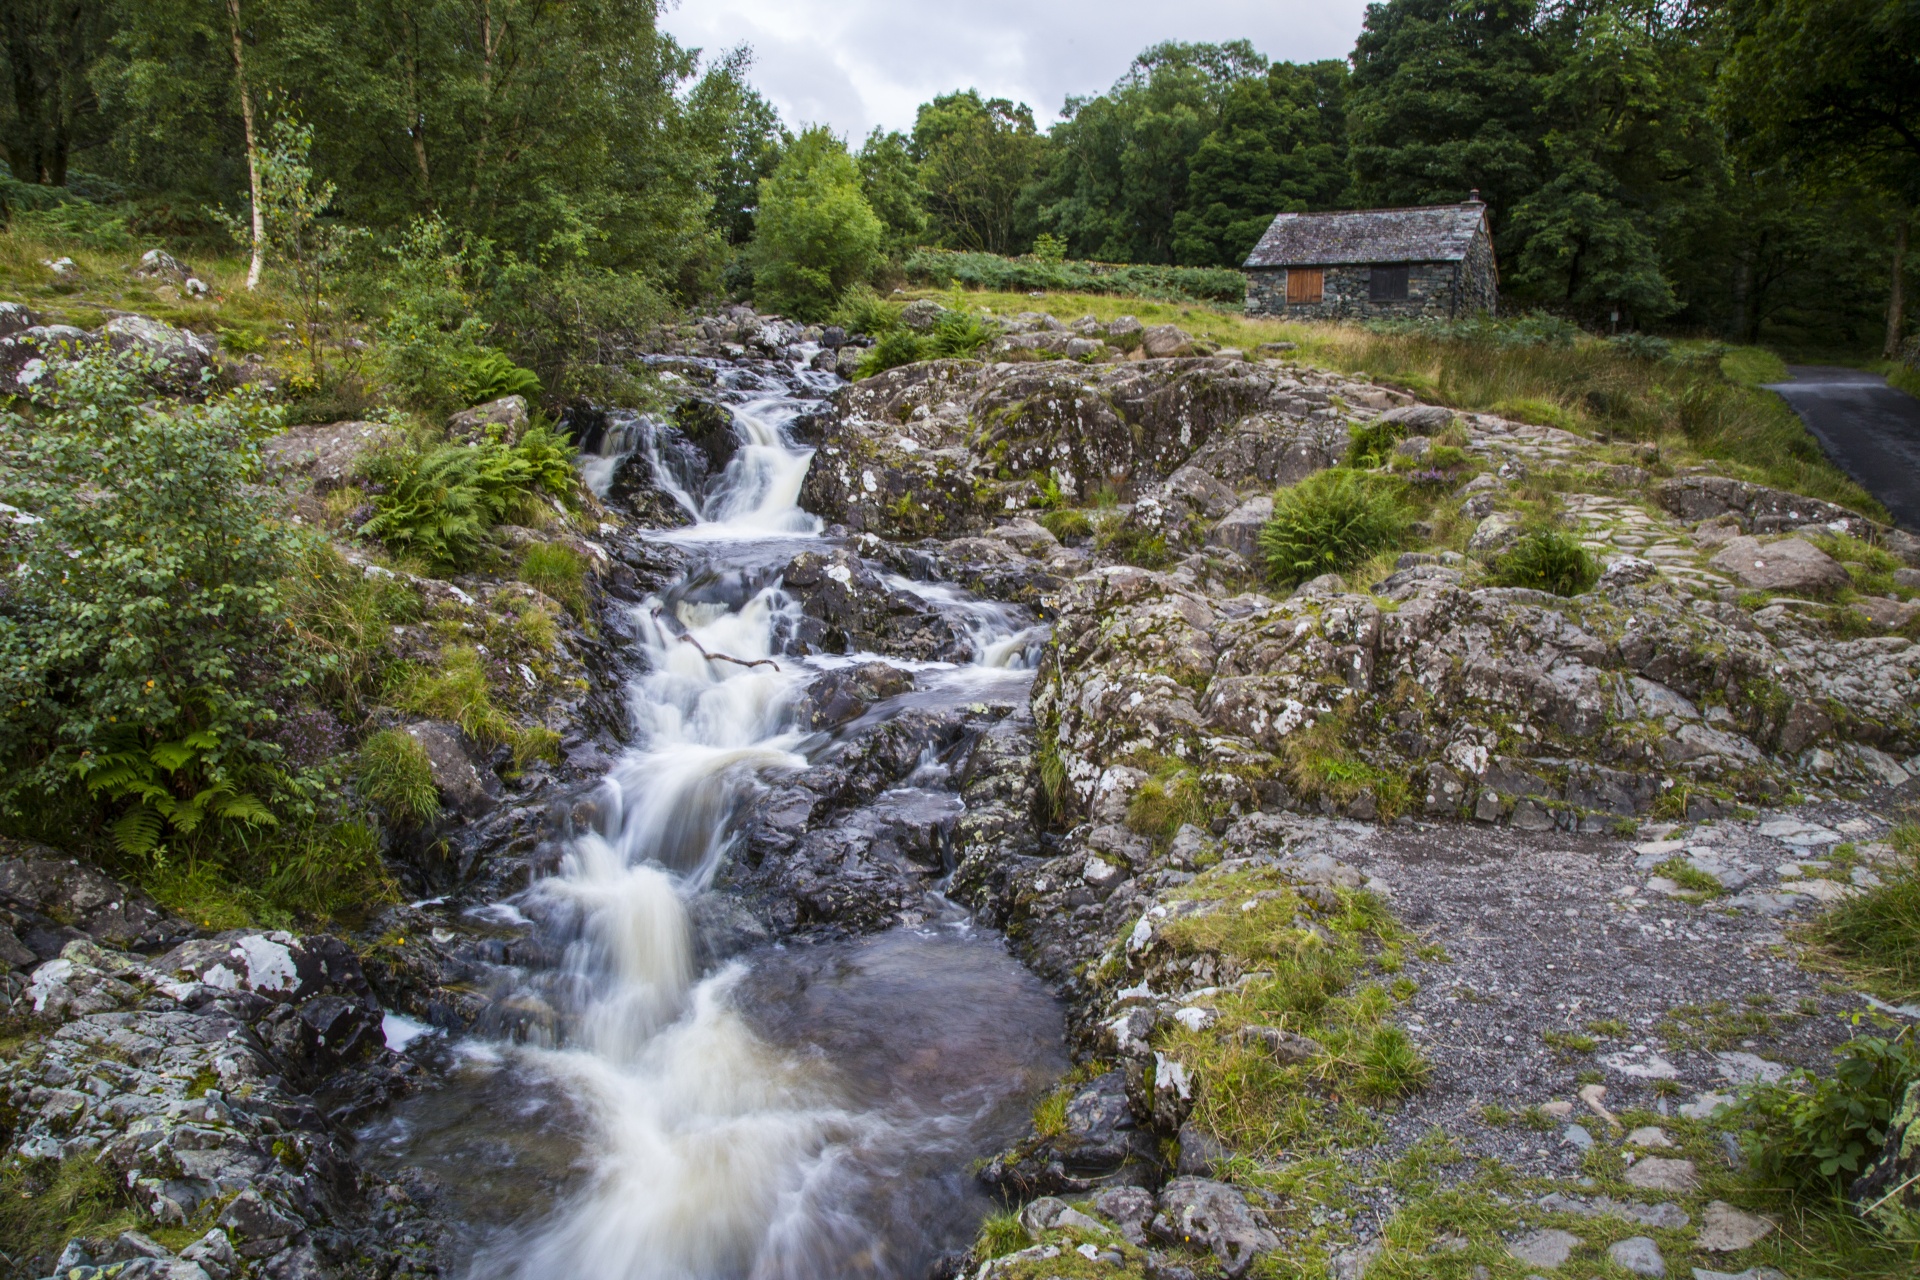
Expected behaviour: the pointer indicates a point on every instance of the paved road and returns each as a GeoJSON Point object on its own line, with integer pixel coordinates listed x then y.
{"type": "Point", "coordinates": [1870, 429]}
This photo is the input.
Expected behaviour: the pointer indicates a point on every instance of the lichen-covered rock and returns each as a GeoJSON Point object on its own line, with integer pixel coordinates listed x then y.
{"type": "Point", "coordinates": [179, 357]}
{"type": "Point", "coordinates": [1788, 564]}
{"type": "Point", "coordinates": [940, 448]}
{"type": "Point", "coordinates": [324, 456]}
{"type": "Point", "coordinates": [1889, 1189]}
{"type": "Point", "coordinates": [504, 418]}
{"type": "Point", "coordinates": [1756, 508]}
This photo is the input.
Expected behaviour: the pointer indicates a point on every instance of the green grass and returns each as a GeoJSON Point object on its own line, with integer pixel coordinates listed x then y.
{"type": "Point", "coordinates": [395, 774]}
{"type": "Point", "coordinates": [560, 572]}
{"type": "Point", "coordinates": [1697, 884]}
{"type": "Point", "coordinates": [1067, 522]}
{"type": "Point", "coordinates": [1874, 937]}
{"type": "Point", "coordinates": [44, 1203]}
{"type": "Point", "coordinates": [1173, 797]}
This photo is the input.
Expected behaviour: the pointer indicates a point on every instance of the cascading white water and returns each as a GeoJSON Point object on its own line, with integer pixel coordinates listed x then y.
{"type": "Point", "coordinates": [712, 1155]}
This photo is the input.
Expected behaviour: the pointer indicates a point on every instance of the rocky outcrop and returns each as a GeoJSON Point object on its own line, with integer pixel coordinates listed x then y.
{"type": "Point", "coordinates": [943, 447]}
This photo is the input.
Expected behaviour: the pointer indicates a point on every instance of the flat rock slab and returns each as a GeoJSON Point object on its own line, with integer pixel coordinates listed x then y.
{"type": "Point", "coordinates": [1725, 1229]}
{"type": "Point", "coordinates": [1656, 1173]}
{"type": "Point", "coordinates": [1550, 1248]}
{"type": "Point", "coordinates": [1638, 1254]}
{"type": "Point", "coordinates": [1790, 564]}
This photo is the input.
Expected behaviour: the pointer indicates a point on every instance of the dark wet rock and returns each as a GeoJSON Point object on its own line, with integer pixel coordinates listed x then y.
{"type": "Point", "coordinates": [47, 900]}
{"type": "Point", "coordinates": [15, 317]}
{"type": "Point", "coordinates": [708, 427]}
{"type": "Point", "coordinates": [465, 785]}
{"type": "Point", "coordinates": [1102, 1145]}
{"type": "Point", "coordinates": [844, 694]}
{"type": "Point", "coordinates": [502, 419]}
{"type": "Point", "coordinates": [848, 608]}
{"type": "Point", "coordinates": [1891, 1184]}
{"type": "Point", "coordinates": [1756, 508]}
{"type": "Point", "coordinates": [1200, 1214]}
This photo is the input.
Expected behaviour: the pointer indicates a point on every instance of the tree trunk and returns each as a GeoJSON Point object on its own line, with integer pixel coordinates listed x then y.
{"type": "Point", "coordinates": [1897, 296]}
{"type": "Point", "coordinates": [253, 146]}
{"type": "Point", "coordinates": [486, 101]}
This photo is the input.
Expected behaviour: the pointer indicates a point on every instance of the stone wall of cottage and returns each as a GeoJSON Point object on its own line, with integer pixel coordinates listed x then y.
{"type": "Point", "coordinates": [1435, 290]}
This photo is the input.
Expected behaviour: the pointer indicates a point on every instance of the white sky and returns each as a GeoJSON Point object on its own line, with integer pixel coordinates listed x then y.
{"type": "Point", "coordinates": [852, 64]}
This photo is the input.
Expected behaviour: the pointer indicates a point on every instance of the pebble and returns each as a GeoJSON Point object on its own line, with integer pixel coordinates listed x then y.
{"type": "Point", "coordinates": [1649, 1136]}
{"type": "Point", "coordinates": [1576, 1136]}
{"type": "Point", "coordinates": [1704, 1105]}
{"type": "Point", "coordinates": [1559, 1109]}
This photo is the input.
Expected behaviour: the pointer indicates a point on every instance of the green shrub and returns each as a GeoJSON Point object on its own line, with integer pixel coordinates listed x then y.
{"type": "Point", "coordinates": [1644, 346]}
{"type": "Point", "coordinates": [490, 375]}
{"type": "Point", "coordinates": [1819, 1132]}
{"type": "Point", "coordinates": [1371, 445]}
{"type": "Point", "coordinates": [1331, 521]}
{"type": "Point", "coordinates": [330, 871]}
{"type": "Point", "coordinates": [814, 234]}
{"type": "Point", "coordinates": [81, 222]}
{"type": "Point", "coordinates": [1549, 560]}
{"type": "Point", "coordinates": [558, 570]}
{"type": "Point", "coordinates": [395, 774]}
{"type": "Point", "coordinates": [1875, 935]}
{"type": "Point", "coordinates": [143, 630]}
{"type": "Point", "coordinates": [895, 348]}
{"type": "Point", "coordinates": [861, 310]}
{"type": "Point", "coordinates": [958, 335]}
{"type": "Point", "coordinates": [1067, 522]}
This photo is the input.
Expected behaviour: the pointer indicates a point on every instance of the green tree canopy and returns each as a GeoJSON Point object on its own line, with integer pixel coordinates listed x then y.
{"type": "Point", "coordinates": [975, 155]}
{"type": "Point", "coordinates": [815, 234]}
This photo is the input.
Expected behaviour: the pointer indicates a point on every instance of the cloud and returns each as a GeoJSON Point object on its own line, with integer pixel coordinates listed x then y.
{"type": "Point", "coordinates": [854, 64]}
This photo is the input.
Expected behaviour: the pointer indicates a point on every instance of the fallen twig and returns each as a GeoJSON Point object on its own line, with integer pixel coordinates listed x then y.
{"type": "Point", "coordinates": [686, 637]}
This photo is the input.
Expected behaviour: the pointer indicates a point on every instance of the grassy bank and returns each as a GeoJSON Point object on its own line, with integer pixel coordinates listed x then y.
{"type": "Point", "coordinates": [1698, 402]}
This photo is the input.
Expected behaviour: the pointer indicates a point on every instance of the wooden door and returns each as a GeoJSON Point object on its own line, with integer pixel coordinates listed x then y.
{"type": "Point", "coordinates": [1305, 284]}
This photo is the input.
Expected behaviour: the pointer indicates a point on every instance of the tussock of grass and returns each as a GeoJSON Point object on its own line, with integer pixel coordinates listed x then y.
{"type": "Point", "coordinates": [1067, 522]}
{"type": "Point", "coordinates": [560, 572]}
{"type": "Point", "coordinates": [1874, 937]}
{"type": "Point", "coordinates": [1173, 797]}
{"type": "Point", "coordinates": [396, 775]}
{"type": "Point", "coordinates": [1549, 560]}
{"type": "Point", "coordinates": [44, 1203]}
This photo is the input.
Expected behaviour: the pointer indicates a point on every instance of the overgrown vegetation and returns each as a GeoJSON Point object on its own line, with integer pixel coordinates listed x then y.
{"type": "Point", "coordinates": [946, 268]}
{"type": "Point", "coordinates": [1819, 1132]}
{"type": "Point", "coordinates": [436, 504]}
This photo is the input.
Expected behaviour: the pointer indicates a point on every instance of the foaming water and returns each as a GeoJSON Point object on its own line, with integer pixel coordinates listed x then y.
{"type": "Point", "coordinates": [803, 1112]}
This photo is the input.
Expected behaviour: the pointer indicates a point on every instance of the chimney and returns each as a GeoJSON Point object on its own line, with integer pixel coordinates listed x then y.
{"type": "Point", "coordinates": [1473, 197]}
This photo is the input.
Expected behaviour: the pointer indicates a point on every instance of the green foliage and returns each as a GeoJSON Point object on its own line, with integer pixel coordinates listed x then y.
{"type": "Point", "coordinates": [439, 504]}
{"type": "Point", "coordinates": [1019, 275]}
{"type": "Point", "coordinates": [1173, 797]}
{"type": "Point", "coordinates": [75, 222]}
{"type": "Point", "coordinates": [861, 310]}
{"type": "Point", "coordinates": [1549, 560]}
{"type": "Point", "coordinates": [1820, 1132]}
{"type": "Point", "coordinates": [44, 1203]}
{"type": "Point", "coordinates": [1370, 444]}
{"type": "Point", "coordinates": [1331, 521]}
{"type": "Point", "coordinates": [1001, 1234]}
{"type": "Point", "coordinates": [975, 156]}
{"type": "Point", "coordinates": [814, 235]}
{"type": "Point", "coordinates": [1391, 1065]}
{"type": "Point", "coordinates": [490, 375]}
{"type": "Point", "coordinates": [890, 180]}
{"type": "Point", "coordinates": [897, 347]}
{"type": "Point", "coordinates": [394, 773]}
{"type": "Point", "coordinates": [1875, 935]}
{"type": "Point", "coordinates": [456, 688]}
{"type": "Point", "coordinates": [1642, 346]}
{"type": "Point", "coordinates": [144, 628]}
{"type": "Point", "coordinates": [558, 570]}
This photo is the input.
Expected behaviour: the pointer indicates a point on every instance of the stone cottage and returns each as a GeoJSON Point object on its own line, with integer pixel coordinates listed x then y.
{"type": "Point", "coordinates": [1434, 261]}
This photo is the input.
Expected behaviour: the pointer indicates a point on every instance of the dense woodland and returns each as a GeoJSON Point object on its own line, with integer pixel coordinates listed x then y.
{"type": "Point", "coordinates": [1745, 168]}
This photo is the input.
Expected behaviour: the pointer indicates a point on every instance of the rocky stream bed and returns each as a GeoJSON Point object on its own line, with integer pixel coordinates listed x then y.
{"type": "Point", "coordinates": [845, 871]}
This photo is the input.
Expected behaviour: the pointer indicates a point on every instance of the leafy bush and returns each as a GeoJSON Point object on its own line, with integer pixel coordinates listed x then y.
{"type": "Point", "coordinates": [1549, 560]}
{"type": "Point", "coordinates": [75, 222]}
{"type": "Point", "coordinates": [142, 630]}
{"type": "Point", "coordinates": [814, 234]}
{"type": "Point", "coordinates": [1818, 1132]}
{"type": "Point", "coordinates": [490, 375]}
{"type": "Point", "coordinates": [395, 774]}
{"type": "Point", "coordinates": [898, 347]}
{"type": "Point", "coordinates": [1331, 521]}
{"type": "Point", "coordinates": [1371, 445]}
{"type": "Point", "coordinates": [1067, 522]}
{"type": "Point", "coordinates": [861, 310]}
{"type": "Point", "coordinates": [1022, 275]}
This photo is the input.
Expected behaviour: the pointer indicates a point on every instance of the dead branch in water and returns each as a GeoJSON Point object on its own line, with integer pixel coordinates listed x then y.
{"type": "Point", "coordinates": [686, 637]}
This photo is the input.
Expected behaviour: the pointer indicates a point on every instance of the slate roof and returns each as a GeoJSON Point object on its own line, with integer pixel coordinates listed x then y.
{"type": "Point", "coordinates": [1432, 233]}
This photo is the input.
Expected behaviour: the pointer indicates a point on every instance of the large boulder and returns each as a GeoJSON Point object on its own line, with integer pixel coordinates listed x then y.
{"type": "Point", "coordinates": [1757, 508]}
{"type": "Point", "coordinates": [505, 417]}
{"type": "Point", "coordinates": [1239, 530]}
{"type": "Point", "coordinates": [179, 357]}
{"type": "Point", "coordinates": [47, 901]}
{"type": "Point", "coordinates": [1790, 564]}
{"type": "Point", "coordinates": [14, 317]}
{"type": "Point", "coordinates": [326, 455]}
{"type": "Point", "coordinates": [24, 355]}
{"type": "Point", "coordinates": [465, 786]}
{"type": "Point", "coordinates": [1202, 1214]}
{"type": "Point", "coordinates": [1164, 341]}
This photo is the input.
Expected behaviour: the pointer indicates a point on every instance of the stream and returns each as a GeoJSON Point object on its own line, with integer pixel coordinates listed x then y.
{"type": "Point", "coordinates": [643, 1109]}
